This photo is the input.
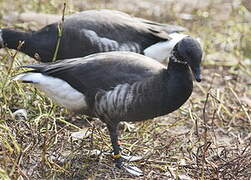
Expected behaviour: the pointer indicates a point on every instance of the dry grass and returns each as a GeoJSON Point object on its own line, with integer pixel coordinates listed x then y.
{"type": "Point", "coordinates": [208, 138]}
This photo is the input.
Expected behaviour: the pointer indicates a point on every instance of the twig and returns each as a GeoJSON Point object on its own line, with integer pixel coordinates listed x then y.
{"type": "Point", "coordinates": [195, 121]}
{"type": "Point", "coordinates": [242, 107]}
{"type": "Point", "coordinates": [60, 33]}
{"type": "Point", "coordinates": [13, 57]}
{"type": "Point", "coordinates": [205, 135]}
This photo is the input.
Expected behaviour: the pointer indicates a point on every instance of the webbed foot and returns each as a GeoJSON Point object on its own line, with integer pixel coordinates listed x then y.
{"type": "Point", "coordinates": [119, 163]}
{"type": "Point", "coordinates": [118, 160]}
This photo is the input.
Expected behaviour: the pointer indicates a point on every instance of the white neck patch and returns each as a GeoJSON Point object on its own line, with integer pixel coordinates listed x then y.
{"type": "Point", "coordinates": [1, 38]}
{"type": "Point", "coordinates": [162, 50]}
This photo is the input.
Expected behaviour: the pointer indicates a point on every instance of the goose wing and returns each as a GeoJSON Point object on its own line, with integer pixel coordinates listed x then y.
{"type": "Point", "coordinates": [109, 21]}
{"type": "Point", "coordinates": [101, 71]}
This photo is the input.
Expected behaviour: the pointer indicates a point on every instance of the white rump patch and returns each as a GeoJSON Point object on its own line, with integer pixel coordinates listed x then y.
{"type": "Point", "coordinates": [58, 90]}
{"type": "Point", "coordinates": [162, 50]}
{"type": "Point", "coordinates": [106, 44]}
{"type": "Point", "coordinates": [1, 38]}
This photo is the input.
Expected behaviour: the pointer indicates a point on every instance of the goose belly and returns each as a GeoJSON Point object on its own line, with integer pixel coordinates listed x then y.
{"type": "Point", "coordinates": [113, 104]}
{"type": "Point", "coordinates": [126, 103]}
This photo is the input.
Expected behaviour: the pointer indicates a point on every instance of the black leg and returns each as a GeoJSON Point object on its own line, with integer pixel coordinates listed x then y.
{"type": "Point", "coordinates": [115, 144]}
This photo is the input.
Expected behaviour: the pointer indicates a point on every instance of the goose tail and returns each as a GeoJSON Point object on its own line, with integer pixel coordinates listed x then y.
{"type": "Point", "coordinates": [30, 76]}
{"type": "Point", "coordinates": [26, 77]}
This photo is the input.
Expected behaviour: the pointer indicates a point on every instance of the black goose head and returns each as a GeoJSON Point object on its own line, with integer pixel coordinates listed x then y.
{"type": "Point", "coordinates": [188, 50]}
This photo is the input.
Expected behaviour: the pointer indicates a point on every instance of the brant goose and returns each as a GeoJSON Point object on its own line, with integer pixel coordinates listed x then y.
{"type": "Point", "coordinates": [94, 31]}
{"type": "Point", "coordinates": [119, 86]}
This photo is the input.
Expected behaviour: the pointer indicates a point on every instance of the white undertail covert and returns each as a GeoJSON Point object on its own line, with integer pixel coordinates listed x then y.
{"type": "Point", "coordinates": [1, 38]}
{"type": "Point", "coordinates": [58, 90]}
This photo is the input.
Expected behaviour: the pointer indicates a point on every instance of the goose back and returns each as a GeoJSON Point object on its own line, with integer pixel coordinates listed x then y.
{"type": "Point", "coordinates": [108, 30]}
{"type": "Point", "coordinates": [89, 32]}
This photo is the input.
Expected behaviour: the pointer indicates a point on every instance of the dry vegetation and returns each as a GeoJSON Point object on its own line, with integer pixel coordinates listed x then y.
{"type": "Point", "coordinates": [208, 138]}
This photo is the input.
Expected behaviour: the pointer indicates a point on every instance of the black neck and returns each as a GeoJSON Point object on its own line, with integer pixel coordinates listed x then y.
{"type": "Point", "coordinates": [13, 38]}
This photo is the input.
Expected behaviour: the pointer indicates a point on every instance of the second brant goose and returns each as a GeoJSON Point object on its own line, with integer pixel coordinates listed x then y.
{"type": "Point", "coordinates": [94, 31]}
{"type": "Point", "coordinates": [119, 86]}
